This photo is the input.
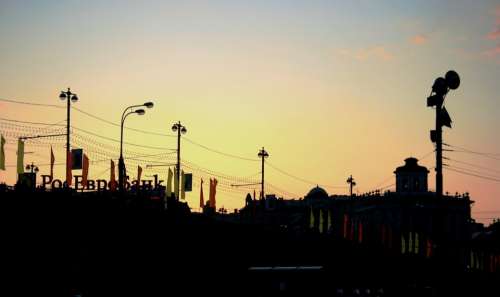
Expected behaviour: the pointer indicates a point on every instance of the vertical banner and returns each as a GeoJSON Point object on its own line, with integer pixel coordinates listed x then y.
{"type": "Point", "coordinates": [169, 182]}
{"type": "Point", "coordinates": [112, 178]}
{"type": "Point", "coordinates": [20, 156]}
{"type": "Point", "coordinates": [85, 170]}
{"type": "Point", "coordinates": [2, 153]}
{"type": "Point", "coordinates": [69, 174]}
{"type": "Point", "coordinates": [202, 200]}
{"type": "Point", "coordinates": [311, 218]}
{"type": "Point", "coordinates": [139, 173]}
{"type": "Point", "coordinates": [52, 160]}
{"type": "Point", "coordinates": [321, 223]}
{"type": "Point", "coordinates": [183, 186]}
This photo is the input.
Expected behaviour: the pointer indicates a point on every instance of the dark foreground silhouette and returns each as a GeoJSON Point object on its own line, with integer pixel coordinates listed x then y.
{"type": "Point", "coordinates": [62, 244]}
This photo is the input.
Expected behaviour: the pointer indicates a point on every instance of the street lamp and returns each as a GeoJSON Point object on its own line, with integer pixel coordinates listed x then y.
{"type": "Point", "coordinates": [69, 97]}
{"type": "Point", "coordinates": [32, 168]}
{"type": "Point", "coordinates": [180, 129]}
{"type": "Point", "coordinates": [121, 164]}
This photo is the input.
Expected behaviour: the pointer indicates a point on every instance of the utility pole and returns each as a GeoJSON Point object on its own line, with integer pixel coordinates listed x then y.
{"type": "Point", "coordinates": [351, 183]}
{"type": "Point", "coordinates": [262, 154]}
{"type": "Point", "coordinates": [440, 89]}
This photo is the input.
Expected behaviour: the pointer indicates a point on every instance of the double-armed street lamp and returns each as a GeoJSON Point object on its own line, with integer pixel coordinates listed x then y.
{"type": "Point", "coordinates": [121, 164]}
{"type": "Point", "coordinates": [69, 97]}
{"type": "Point", "coordinates": [180, 129]}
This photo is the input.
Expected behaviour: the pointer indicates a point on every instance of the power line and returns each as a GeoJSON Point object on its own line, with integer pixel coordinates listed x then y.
{"type": "Point", "coordinates": [303, 180]}
{"type": "Point", "coordinates": [472, 174]}
{"type": "Point", "coordinates": [118, 141]}
{"type": "Point", "coordinates": [31, 103]}
{"type": "Point", "coordinates": [219, 152]}
{"type": "Point", "coordinates": [473, 165]}
{"type": "Point", "coordinates": [117, 125]}
{"type": "Point", "coordinates": [464, 150]}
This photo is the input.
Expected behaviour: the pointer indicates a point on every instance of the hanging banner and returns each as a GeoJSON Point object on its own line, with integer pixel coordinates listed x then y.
{"type": "Point", "coordinates": [20, 157]}
{"type": "Point", "coordinates": [76, 159]}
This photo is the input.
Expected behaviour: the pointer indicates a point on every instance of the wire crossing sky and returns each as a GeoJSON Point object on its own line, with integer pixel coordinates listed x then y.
{"type": "Point", "coordinates": [329, 88]}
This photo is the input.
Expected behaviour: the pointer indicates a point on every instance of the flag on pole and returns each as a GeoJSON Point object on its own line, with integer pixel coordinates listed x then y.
{"type": "Point", "coordinates": [2, 153]}
{"type": "Point", "coordinates": [202, 199]}
{"type": "Point", "coordinates": [52, 160]}
{"type": "Point", "coordinates": [176, 184]}
{"type": "Point", "coordinates": [213, 190]}
{"type": "Point", "coordinates": [169, 182]}
{"type": "Point", "coordinates": [20, 156]}
{"type": "Point", "coordinates": [69, 173]}
{"type": "Point", "coordinates": [112, 178]}
{"type": "Point", "coordinates": [183, 186]}
{"type": "Point", "coordinates": [85, 170]}
{"type": "Point", "coordinates": [139, 173]}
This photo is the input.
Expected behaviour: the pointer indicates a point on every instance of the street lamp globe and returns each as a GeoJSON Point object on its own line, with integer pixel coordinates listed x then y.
{"type": "Point", "coordinates": [174, 127]}
{"type": "Point", "coordinates": [149, 104]}
{"type": "Point", "coordinates": [140, 111]}
{"type": "Point", "coordinates": [62, 96]}
{"type": "Point", "coordinates": [74, 98]}
{"type": "Point", "coordinates": [183, 130]}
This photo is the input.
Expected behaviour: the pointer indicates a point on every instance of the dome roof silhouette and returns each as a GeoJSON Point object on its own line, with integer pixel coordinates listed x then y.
{"type": "Point", "coordinates": [317, 193]}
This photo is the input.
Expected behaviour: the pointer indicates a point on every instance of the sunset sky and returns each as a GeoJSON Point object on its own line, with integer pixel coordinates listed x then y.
{"type": "Point", "coordinates": [329, 88]}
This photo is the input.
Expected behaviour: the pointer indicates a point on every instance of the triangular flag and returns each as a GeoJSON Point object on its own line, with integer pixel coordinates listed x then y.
{"type": "Point", "coordinates": [20, 156]}
{"type": "Point", "coordinates": [311, 218]}
{"type": "Point", "coordinates": [321, 221]}
{"type": "Point", "coordinates": [2, 153]}
{"type": "Point", "coordinates": [85, 170]}
{"type": "Point", "coordinates": [52, 160]}
{"type": "Point", "coordinates": [69, 173]}
{"type": "Point", "coordinates": [112, 178]}
{"type": "Point", "coordinates": [202, 199]}
{"type": "Point", "coordinates": [183, 186]}
{"type": "Point", "coordinates": [139, 173]}
{"type": "Point", "coordinates": [176, 184]}
{"type": "Point", "coordinates": [169, 182]}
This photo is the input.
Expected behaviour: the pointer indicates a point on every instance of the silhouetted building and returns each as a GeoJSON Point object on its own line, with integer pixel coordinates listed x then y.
{"type": "Point", "coordinates": [411, 178]}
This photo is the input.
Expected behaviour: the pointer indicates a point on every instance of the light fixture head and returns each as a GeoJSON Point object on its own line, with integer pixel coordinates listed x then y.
{"type": "Point", "coordinates": [140, 111]}
{"type": "Point", "coordinates": [74, 98]}
{"type": "Point", "coordinates": [149, 104]}
{"type": "Point", "coordinates": [62, 96]}
{"type": "Point", "coordinates": [174, 127]}
{"type": "Point", "coordinates": [452, 79]}
{"type": "Point", "coordinates": [183, 130]}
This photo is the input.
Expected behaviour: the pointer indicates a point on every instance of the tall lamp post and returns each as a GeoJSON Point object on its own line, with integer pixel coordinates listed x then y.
{"type": "Point", "coordinates": [69, 97]}
{"type": "Point", "coordinates": [121, 163]}
{"type": "Point", "coordinates": [263, 155]}
{"type": "Point", "coordinates": [180, 129]}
